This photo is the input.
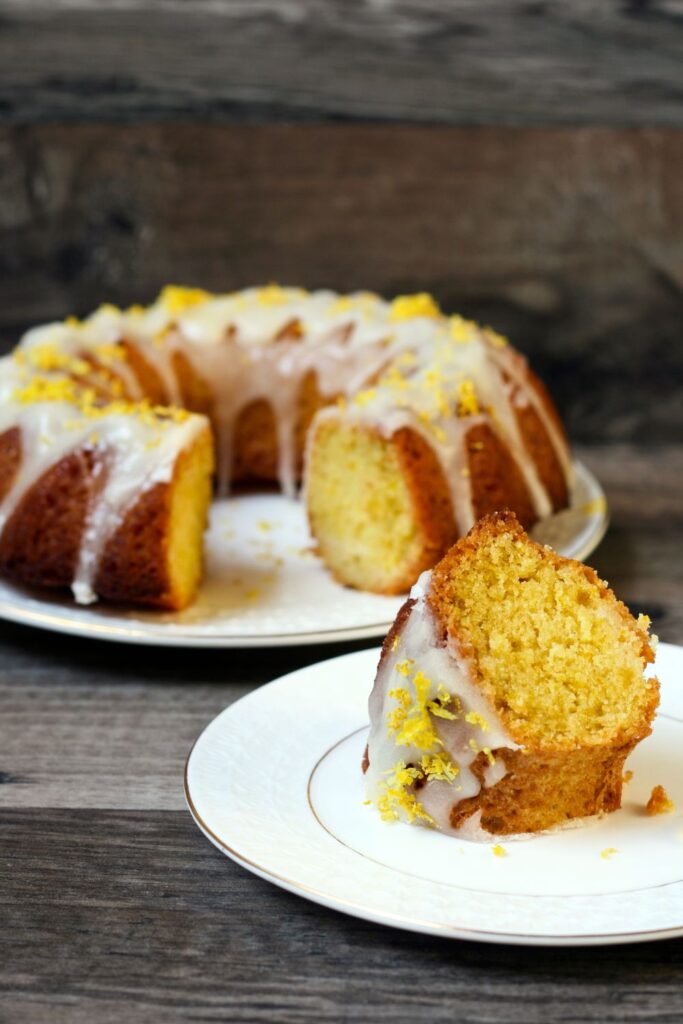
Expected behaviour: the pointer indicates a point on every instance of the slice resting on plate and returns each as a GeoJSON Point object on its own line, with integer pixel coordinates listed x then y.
{"type": "Point", "coordinates": [509, 693]}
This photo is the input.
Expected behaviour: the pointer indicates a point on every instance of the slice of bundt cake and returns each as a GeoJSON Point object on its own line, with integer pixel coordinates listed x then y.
{"type": "Point", "coordinates": [451, 431]}
{"type": "Point", "coordinates": [509, 692]}
{"type": "Point", "coordinates": [108, 497]}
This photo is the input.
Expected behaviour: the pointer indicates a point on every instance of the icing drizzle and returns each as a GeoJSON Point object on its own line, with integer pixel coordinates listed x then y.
{"type": "Point", "coordinates": [428, 724]}
{"type": "Point", "coordinates": [386, 364]}
{"type": "Point", "coordinates": [393, 364]}
{"type": "Point", "coordinates": [135, 447]}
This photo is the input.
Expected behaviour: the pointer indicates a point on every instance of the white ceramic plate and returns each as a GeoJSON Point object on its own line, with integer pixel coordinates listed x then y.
{"type": "Point", "coordinates": [265, 587]}
{"type": "Point", "coordinates": [275, 783]}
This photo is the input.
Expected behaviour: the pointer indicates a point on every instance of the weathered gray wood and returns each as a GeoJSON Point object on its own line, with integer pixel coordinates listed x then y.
{"type": "Point", "coordinates": [570, 241]}
{"type": "Point", "coordinates": [113, 907]}
{"type": "Point", "coordinates": [134, 917]}
{"type": "Point", "coordinates": [470, 61]}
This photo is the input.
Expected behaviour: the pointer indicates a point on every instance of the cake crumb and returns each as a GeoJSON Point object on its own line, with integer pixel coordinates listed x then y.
{"type": "Point", "coordinates": [660, 802]}
{"type": "Point", "coordinates": [627, 777]}
{"type": "Point", "coordinates": [608, 851]}
{"type": "Point", "coordinates": [499, 851]}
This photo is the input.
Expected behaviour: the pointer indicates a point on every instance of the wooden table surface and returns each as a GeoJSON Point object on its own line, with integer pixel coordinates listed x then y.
{"type": "Point", "coordinates": [113, 907]}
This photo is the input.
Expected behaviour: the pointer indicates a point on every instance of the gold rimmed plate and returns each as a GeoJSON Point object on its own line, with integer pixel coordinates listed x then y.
{"type": "Point", "coordinates": [275, 783]}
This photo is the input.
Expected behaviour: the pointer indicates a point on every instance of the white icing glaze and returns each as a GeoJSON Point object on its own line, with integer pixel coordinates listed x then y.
{"type": "Point", "coordinates": [132, 454]}
{"type": "Point", "coordinates": [443, 666]}
{"type": "Point", "coordinates": [260, 344]}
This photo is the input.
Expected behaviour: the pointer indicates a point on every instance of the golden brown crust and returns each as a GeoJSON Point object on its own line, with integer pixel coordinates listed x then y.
{"type": "Point", "coordinates": [540, 446]}
{"type": "Point", "coordinates": [195, 393]}
{"type": "Point", "coordinates": [10, 459]}
{"type": "Point", "coordinates": [255, 447]}
{"type": "Point", "coordinates": [148, 378]}
{"type": "Point", "coordinates": [255, 443]}
{"type": "Point", "coordinates": [41, 540]}
{"type": "Point", "coordinates": [430, 497]}
{"type": "Point", "coordinates": [495, 477]}
{"type": "Point", "coordinates": [541, 450]}
{"type": "Point", "coordinates": [541, 790]}
{"type": "Point", "coordinates": [134, 566]}
{"type": "Point", "coordinates": [310, 401]}
{"type": "Point", "coordinates": [546, 401]}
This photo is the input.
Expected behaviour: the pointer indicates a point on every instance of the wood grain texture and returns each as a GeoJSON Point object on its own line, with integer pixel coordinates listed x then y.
{"type": "Point", "coordinates": [114, 907]}
{"type": "Point", "coordinates": [468, 61]}
{"type": "Point", "coordinates": [129, 916]}
{"type": "Point", "coordinates": [570, 241]}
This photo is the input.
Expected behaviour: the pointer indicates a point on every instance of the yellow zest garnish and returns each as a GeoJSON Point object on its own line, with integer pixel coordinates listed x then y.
{"type": "Point", "coordinates": [48, 389]}
{"type": "Point", "coordinates": [176, 299]}
{"type": "Point", "coordinates": [363, 397]}
{"type": "Point", "coordinates": [440, 767]}
{"type": "Point", "coordinates": [439, 706]}
{"type": "Point", "coordinates": [47, 357]}
{"type": "Point", "coordinates": [273, 295]}
{"type": "Point", "coordinates": [467, 399]}
{"type": "Point", "coordinates": [109, 354]}
{"type": "Point", "coordinates": [72, 321]}
{"type": "Point", "coordinates": [404, 668]}
{"type": "Point", "coordinates": [499, 851]}
{"type": "Point", "coordinates": [405, 307]}
{"type": "Point", "coordinates": [393, 796]}
{"type": "Point", "coordinates": [489, 755]}
{"type": "Point", "coordinates": [607, 852]}
{"type": "Point", "coordinates": [461, 330]}
{"type": "Point", "coordinates": [341, 305]}
{"type": "Point", "coordinates": [397, 717]}
{"type": "Point", "coordinates": [418, 729]}
{"type": "Point", "coordinates": [474, 718]}
{"type": "Point", "coordinates": [395, 642]}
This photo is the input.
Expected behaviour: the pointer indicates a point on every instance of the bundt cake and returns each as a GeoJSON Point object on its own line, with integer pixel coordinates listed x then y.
{"type": "Point", "coordinates": [413, 424]}
{"type": "Point", "coordinates": [509, 692]}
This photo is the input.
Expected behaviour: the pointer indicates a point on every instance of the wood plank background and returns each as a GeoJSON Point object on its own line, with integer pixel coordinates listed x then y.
{"type": "Point", "coordinates": [465, 61]}
{"type": "Point", "coordinates": [571, 241]}
{"type": "Point", "coordinates": [523, 160]}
